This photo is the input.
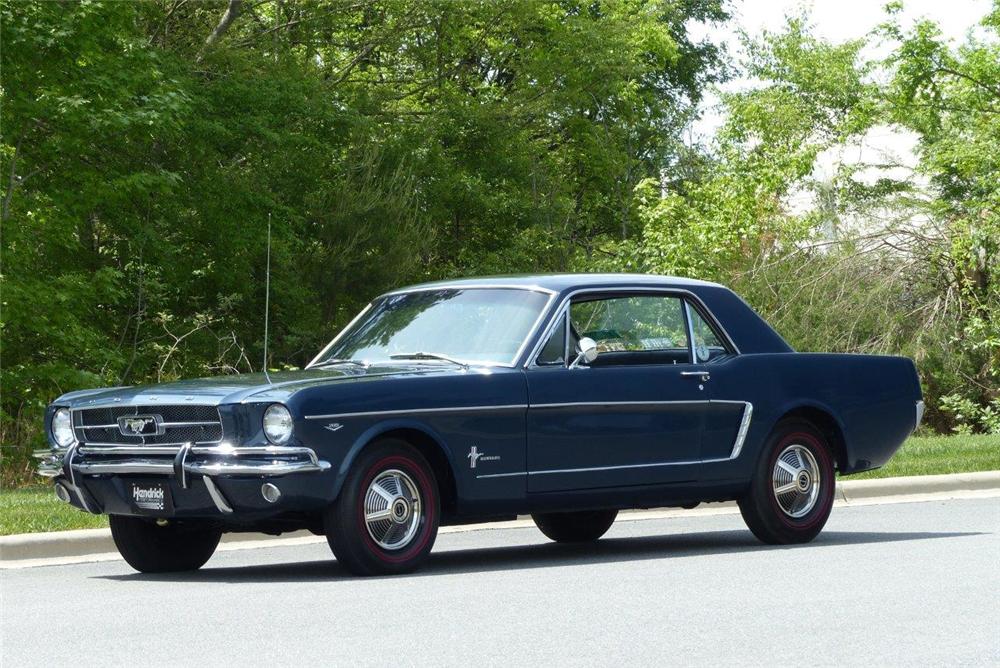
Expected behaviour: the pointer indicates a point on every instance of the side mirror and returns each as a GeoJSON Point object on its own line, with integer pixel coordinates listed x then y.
{"type": "Point", "coordinates": [588, 352]}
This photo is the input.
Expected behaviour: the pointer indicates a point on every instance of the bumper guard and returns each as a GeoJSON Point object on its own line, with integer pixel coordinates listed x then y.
{"type": "Point", "coordinates": [208, 461]}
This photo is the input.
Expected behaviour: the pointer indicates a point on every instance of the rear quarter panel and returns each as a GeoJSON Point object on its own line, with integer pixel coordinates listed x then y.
{"type": "Point", "coordinates": [872, 400]}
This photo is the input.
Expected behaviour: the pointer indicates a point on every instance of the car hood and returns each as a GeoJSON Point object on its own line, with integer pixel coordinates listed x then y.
{"type": "Point", "coordinates": [239, 388]}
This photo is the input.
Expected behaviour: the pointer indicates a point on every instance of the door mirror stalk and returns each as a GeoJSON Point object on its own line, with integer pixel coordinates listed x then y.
{"type": "Point", "coordinates": [587, 354]}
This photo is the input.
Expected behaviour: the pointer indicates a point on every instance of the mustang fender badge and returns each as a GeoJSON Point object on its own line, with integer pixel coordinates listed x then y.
{"type": "Point", "coordinates": [475, 456]}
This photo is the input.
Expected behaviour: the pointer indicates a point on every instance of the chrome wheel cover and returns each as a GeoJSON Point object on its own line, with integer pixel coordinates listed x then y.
{"type": "Point", "coordinates": [796, 481]}
{"type": "Point", "coordinates": [392, 509]}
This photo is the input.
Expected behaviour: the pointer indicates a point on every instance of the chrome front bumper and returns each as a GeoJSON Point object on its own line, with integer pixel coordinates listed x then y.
{"type": "Point", "coordinates": [208, 461]}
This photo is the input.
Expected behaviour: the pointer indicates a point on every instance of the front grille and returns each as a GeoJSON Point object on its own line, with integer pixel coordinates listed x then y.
{"type": "Point", "coordinates": [180, 424]}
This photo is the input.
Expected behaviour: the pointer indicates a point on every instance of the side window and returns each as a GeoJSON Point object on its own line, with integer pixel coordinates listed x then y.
{"type": "Point", "coordinates": [642, 329]}
{"type": "Point", "coordinates": [707, 344]}
{"type": "Point", "coordinates": [554, 350]}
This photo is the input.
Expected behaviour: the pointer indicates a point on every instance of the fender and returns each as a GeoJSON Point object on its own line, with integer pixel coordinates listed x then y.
{"type": "Point", "coordinates": [796, 404]}
{"type": "Point", "coordinates": [373, 432]}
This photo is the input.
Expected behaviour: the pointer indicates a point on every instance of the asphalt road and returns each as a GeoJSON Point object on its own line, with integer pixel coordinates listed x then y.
{"type": "Point", "coordinates": [896, 584]}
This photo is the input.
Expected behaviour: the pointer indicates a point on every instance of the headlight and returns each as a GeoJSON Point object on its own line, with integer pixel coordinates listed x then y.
{"type": "Point", "coordinates": [62, 428]}
{"type": "Point", "coordinates": [277, 424]}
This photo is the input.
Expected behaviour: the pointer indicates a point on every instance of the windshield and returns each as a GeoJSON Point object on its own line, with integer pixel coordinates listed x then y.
{"type": "Point", "coordinates": [473, 325]}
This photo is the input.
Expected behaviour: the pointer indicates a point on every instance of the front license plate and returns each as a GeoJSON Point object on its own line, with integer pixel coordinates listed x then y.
{"type": "Point", "coordinates": [152, 497]}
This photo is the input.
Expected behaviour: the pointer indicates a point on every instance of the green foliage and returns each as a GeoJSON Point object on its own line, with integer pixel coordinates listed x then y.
{"type": "Point", "coordinates": [145, 146]}
{"type": "Point", "coordinates": [970, 416]}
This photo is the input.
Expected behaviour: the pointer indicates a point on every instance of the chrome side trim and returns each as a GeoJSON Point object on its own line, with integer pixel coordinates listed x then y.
{"type": "Point", "coordinates": [615, 468]}
{"type": "Point", "coordinates": [411, 411]}
{"type": "Point", "coordinates": [502, 475]}
{"type": "Point", "coordinates": [611, 404]}
{"type": "Point", "coordinates": [503, 407]}
{"type": "Point", "coordinates": [217, 497]}
{"type": "Point", "coordinates": [741, 435]}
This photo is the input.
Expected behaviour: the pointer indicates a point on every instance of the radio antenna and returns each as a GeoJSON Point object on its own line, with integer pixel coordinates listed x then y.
{"type": "Point", "coordinates": [267, 296]}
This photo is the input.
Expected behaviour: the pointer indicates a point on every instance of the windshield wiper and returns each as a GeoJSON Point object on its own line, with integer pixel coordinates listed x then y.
{"type": "Point", "coordinates": [428, 356]}
{"type": "Point", "coordinates": [360, 363]}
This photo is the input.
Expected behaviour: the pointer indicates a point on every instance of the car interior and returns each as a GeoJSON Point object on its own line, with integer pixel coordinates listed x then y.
{"type": "Point", "coordinates": [622, 341]}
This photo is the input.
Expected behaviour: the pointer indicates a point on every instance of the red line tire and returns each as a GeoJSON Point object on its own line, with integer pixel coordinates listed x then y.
{"type": "Point", "coordinates": [385, 520]}
{"type": "Point", "coordinates": [792, 490]}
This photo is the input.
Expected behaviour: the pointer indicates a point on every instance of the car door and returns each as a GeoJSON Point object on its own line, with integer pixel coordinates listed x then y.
{"type": "Point", "coordinates": [635, 415]}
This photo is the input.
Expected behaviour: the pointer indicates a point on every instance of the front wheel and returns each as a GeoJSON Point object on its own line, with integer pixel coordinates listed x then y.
{"type": "Point", "coordinates": [151, 548]}
{"type": "Point", "coordinates": [385, 519]}
{"type": "Point", "coordinates": [792, 490]}
{"type": "Point", "coordinates": [575, 527]}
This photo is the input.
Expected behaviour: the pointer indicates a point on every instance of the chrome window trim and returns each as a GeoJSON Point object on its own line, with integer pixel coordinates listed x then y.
{"type": "Point", "coordinates": [461, 286]}
{"type": "Point", "coordinates": [562, 312]}
{"type": "Point", "coordinates": [413, 411]}
{"type": "Point", "coordinates": [685, 295]}
{"type": "Point", "coordinates": [346, 328]}
{"type": "Point", "coordinates": [692, 358]}
{"type": "Point", "coordinates": [556, 322]}
{"type": "Point", "coordinates": [457, 286]}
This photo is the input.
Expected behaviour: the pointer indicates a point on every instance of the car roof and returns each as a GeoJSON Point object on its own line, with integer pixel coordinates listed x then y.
{"type": "Point", "coordinates": [562, 282]}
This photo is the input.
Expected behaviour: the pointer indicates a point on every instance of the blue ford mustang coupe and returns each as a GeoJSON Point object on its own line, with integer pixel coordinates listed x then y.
{"type": "Point", "coordinates": [566, 397]}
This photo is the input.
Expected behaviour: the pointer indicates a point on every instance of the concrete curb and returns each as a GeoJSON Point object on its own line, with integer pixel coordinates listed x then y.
{"type": "Point", "coordinates": [856, 490]}
{"type": "Point", "coordinates": [84, 542]}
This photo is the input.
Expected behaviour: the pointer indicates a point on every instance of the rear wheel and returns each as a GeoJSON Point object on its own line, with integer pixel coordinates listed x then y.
{"type": "Point", "coordinates": [151, 548]}
{"type": "Point", "coordinates": [386, 517]}
{"type": "Point", "coordinates": [791, 494]}
{"type": "Point", "coordinates": [576, 527]}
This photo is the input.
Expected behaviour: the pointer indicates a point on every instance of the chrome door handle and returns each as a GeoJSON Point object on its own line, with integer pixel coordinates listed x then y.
{"type": "Point", "coordinates": [701, 374]}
